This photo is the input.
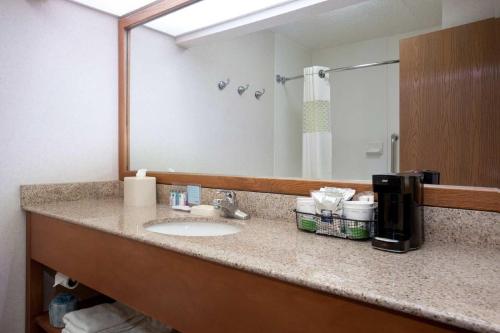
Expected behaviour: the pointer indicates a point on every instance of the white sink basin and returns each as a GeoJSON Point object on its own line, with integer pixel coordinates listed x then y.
{"type": "Point", "coordinates": [194, 228]}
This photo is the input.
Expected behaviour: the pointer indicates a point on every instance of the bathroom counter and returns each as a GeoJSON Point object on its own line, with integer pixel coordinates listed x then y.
{"type": "Point", "coordinates": [449, 283]}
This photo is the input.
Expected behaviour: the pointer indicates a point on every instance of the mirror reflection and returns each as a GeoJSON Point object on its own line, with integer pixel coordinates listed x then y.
{"type": "Point", "coordinates": [309, 93]}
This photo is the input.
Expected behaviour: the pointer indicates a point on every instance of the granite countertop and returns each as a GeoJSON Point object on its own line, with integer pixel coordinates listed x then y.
{"type": "Point", "coordinates": [449, 283]}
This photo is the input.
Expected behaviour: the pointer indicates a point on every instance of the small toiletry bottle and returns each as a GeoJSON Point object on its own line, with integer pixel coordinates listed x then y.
{"type": "Point", "coordinates": [182, 199]}
{"type": "Point", "coordinates": [176, 201]}
{"type": "Point", "coordinates": [172, 198]}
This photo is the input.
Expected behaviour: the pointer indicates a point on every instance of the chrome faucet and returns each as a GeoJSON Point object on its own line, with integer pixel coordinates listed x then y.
{"type": "Point", "coordinates": [229, 206]}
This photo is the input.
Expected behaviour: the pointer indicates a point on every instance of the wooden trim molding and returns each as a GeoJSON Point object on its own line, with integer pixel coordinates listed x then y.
{"type": "Point", "coordinates": [123, 97]}
{"type": "Point", "coordinates": [477, 198]}
{"type": "Point", "coordinates": [462, 197]}
{"type": "Point", "coordinates": [153, 11]}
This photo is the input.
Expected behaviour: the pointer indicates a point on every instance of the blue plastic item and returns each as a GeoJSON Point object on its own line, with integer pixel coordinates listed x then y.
{"type": "Point", "coordinates": [59, 306]}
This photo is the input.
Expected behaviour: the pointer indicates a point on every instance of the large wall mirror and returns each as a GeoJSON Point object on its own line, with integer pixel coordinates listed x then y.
{"type": "Point", "coordinates": [284, 90]}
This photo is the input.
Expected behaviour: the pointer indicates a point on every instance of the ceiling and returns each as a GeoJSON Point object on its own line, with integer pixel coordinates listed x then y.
{"type": "Point", "coordinates": [208, 13]}
{"type": "Point", "coordinates": [363, 21]}
{"type": "Point", "coordinates": [352, 21]}
{"type": "Point", "coordinates": [115, 7]}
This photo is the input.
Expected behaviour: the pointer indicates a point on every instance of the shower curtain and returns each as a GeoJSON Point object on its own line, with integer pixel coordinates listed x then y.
{"type": "Point", "coordinates": [316, 127]}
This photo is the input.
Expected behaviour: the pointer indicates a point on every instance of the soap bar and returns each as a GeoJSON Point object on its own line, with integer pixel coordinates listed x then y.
{"type": "Point", "coordinates": [182, 208]}
{"type": "Point", "coordinates": [139, 191]}
{"type": "Point", "coordinates": [205, 210]}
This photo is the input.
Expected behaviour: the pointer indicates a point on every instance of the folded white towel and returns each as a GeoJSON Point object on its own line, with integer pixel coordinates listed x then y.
{"type": "Point", "coordinates": [147, 326]}
{"type": "Point", "coordinates": [100, 317]}
{"type": "Point", "coordinates": [111, 318]}
{"type": "Point", "coordinates": [122, 327]}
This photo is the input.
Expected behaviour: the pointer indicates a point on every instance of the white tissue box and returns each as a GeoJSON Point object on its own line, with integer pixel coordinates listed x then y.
{"type": "Point", "coordinates": [139, 191]}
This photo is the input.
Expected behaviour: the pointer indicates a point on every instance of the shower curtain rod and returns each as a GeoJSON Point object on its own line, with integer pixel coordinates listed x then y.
{"type": "Point", "coordinates": [282, 79]}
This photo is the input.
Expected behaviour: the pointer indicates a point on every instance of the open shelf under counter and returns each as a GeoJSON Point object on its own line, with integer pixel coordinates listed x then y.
{"type": "Point", "coordinates": [43, 320]}
{"type": "Point", "coordinates": [44, 323]}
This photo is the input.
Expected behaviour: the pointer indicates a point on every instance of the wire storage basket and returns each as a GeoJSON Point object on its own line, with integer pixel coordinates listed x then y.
{"type": "Point", "coordinates": [335, 226]}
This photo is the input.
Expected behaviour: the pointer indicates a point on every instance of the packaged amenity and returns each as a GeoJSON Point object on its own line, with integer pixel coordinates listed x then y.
{"type": "Point", "coordinates": [328, 212]}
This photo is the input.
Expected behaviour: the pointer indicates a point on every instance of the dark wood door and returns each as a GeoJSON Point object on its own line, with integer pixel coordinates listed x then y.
{"type": "Point", "coordinates": [449, 103]}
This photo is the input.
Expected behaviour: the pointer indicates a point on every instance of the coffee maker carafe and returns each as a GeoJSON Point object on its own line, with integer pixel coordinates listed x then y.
{"type": "Point", "coordinates": [400, 224]}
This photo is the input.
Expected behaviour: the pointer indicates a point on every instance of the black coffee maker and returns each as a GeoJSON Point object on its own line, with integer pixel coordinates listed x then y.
{"type": "Point", "coordinates": [400, 223]}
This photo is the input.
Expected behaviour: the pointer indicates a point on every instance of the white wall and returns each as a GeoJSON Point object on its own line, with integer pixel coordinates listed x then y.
{"type": "Point", "coordinates": [359, 107]}
{"type": "Point", "coordinates": [229, 134]}
{"type": "Point", "coordinates": [58, 117]}
{"type": "Point", "coordinates": [290, 58]}
{"type": "Point", "coordinates": [458, 12]}
{"type": "Point", "coordinates": [179, 118]}
{"type": "Point", "coordinates": [174, 89]}
{"type": "Point", "coordinates": [365, 104]}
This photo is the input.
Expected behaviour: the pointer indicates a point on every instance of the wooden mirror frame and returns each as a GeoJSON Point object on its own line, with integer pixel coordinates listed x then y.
{"type": "Point", "coordinates": [477, 198]}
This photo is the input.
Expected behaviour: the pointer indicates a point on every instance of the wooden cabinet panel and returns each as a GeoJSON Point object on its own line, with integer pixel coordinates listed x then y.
{"type": "Point", "coordinates": [195, 295]}
{"type": "Point", "coordinates": [449, 104]}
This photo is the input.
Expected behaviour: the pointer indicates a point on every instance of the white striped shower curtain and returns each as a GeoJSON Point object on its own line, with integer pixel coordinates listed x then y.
{"type": "Point", "coordinates": [316, 125]}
